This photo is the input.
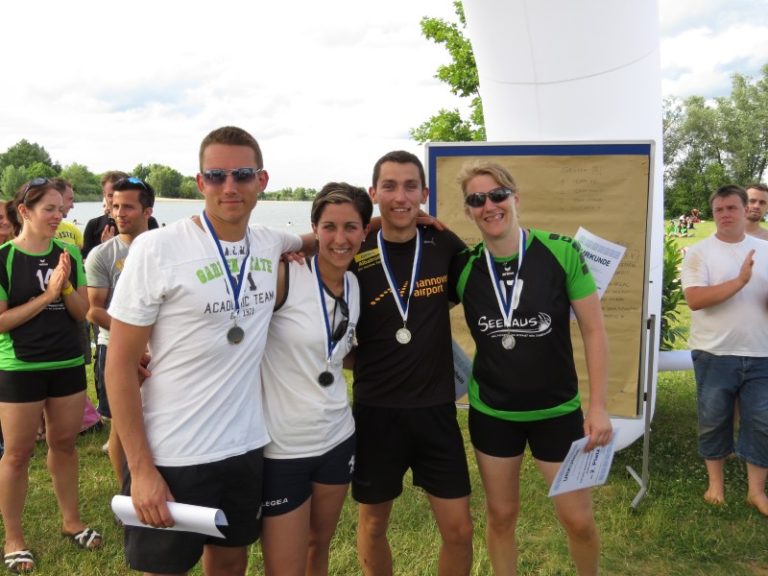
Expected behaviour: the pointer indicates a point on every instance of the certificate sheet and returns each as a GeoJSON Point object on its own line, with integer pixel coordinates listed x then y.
{"type": "Point", "coordinates": [583, 469]}
{"type": "Point", "coordinates": [187, 518]}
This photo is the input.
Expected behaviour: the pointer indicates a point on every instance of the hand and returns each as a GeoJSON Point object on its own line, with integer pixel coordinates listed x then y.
{"type": "Point", "coordinates": [598, 427]}
{"type": "Point", "coordinates": [66, 263]}
{"type": "Point", "coordinates": [150, 495]}
{"type": "Point", "coordinates": [424, 219]}
{"type": "Point", "coordinates": [745, 273]}
{"type": "Point", "coordinates": [297, 257]}
{"type": "Point", "coordinates": [144, 372]}
{"type": "Point", "coordinates": [59, 278]}
{"type": "Point", "coordinates": [107, 233]}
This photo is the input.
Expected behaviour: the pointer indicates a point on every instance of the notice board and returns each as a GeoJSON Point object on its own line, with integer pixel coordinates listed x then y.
{"type": "Point", "coordinates": [605, 188]}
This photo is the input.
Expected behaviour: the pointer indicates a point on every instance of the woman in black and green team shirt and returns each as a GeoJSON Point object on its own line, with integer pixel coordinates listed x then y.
{"type": "Point", "coordinates": [517, 288]}
{"type": "Point", "coordinates": [42, 297]}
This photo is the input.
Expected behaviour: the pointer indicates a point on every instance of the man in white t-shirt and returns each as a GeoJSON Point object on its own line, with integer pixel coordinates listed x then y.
{"type": "Point", "coordinates": [725, 281]}
{"type": "Point", "coordinates": [200, 292]}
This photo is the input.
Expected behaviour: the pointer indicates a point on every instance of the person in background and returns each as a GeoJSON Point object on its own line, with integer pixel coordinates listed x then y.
{"type": "Point", "coordinates": [757, 196]}
{"type": "Point", "coordinates": [518, 287]}
{"type": "Point", "coordinates": [132, 204]}
{"type": "Point", "coordinates": [102, 228]}
{"type": "Point", "coordinates": [308, 463]}
{"type": "Point", "coordinates": [42, 297]}
{"type": "Point", "coordinates": [725, 283]}
{"type": "Point", "coordinates": [67, 231]}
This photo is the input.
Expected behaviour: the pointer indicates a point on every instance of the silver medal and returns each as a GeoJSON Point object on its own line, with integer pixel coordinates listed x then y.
{"type": "Point", "coordinates": [403, 335]}
{"type": "Point", "coordinates": [508, 341]}
{"type": "Point", "coordinates": [235, 335]}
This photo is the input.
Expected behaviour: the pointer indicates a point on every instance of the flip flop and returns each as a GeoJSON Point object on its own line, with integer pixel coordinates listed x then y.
{"type": "Point", "coordinates": [13, 561]}
{"type": "Point", "coordinates": [87, 539]}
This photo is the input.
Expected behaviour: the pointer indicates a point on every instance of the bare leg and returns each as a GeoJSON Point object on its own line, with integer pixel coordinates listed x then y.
{"type": "Point", "coordinates": [501, 481]}
{"type": "Point", "coordinates": [20, 423]}
{"type": "Point", "coordinates": [284, 541]}
{"type": "Point", "coordinates": [225, 561]}
{"type": "Point", "coordinates": [756, 476]}
{"type": "Point", "coordinates": [373, 550]}
{"type": "Point", "coordinates": [715, 493]}
{"type": "Point", "coordinates": [327, 502]}
{"type": "Point", "coordinates": [455, 524]}
{"type": "Point", "coordinates": [574, 510]}
{"type": "Point", "coordinates": [63, 420]}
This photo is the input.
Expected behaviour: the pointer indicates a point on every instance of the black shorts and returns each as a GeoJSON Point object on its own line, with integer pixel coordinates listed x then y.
{"type": "Point", "coordinates": [288, 482]}
{"type": "Point", "coordinates": [232, 485]}
{"type": "Point", "coordinates": [36, 385]}
{"type": "Point", "coordinates": [101, 384]}
{"type": "Point", "coordinates": [391, 440]}
{"type": "Point", "coordinates": [549, 439]}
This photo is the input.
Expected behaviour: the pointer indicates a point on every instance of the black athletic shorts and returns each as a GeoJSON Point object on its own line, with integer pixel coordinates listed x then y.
{"type": "Point", "coordinates": [232, 485]}
{"type": "Point", "coordinates": [549, 439]}
{"type": "Point", "coordinates": [36, 385]}
{"type": "Point", "coordinates": [391, 440]}
{"type": "Point", "coordinates": [288, 482]}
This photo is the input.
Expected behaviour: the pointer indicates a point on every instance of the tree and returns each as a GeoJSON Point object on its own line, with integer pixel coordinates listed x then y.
{"type": "Point", "coordinates": [711, 143]}
{"type": "Point", "coordinates": [40, 170]}
{"type": "Point", "coordinates": [25, 153]}
{"type": "Point", "coordinates": [188, 189]}
{"type": "Point", "coordinates": [142, 171]}
{"type": "Point", "coordinates": [461, 76]}
{"type": "Point", "coordinates": [165, 180]}
{"type": "Point", "coordinates": [84, 182]}
{"type": "Point", "coordinates": [11, 179]}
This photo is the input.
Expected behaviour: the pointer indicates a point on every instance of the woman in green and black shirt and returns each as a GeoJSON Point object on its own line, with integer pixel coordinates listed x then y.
{"type": "Point", "coordinates": [518, 287]}
{"type": "Point", "coordinates": [42, 297]}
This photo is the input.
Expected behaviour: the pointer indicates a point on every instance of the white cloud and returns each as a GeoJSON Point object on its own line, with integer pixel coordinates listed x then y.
{"type": "Point", "coordinates": [326, 87]}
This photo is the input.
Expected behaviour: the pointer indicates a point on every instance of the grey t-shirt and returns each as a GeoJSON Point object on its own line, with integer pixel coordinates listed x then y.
{"type": "Point", "coordinates": [102, 269]}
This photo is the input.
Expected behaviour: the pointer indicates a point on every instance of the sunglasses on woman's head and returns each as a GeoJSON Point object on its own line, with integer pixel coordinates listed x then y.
{"type": "Point", "coordinates": [34, 183]}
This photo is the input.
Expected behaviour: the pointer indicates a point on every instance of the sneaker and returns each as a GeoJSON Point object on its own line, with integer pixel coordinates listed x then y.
{"type": "Point", "coordinates": [105, 448]}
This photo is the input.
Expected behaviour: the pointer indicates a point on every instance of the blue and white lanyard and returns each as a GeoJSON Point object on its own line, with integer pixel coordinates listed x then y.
{"type": "Point", "coordinates": [507, 302]}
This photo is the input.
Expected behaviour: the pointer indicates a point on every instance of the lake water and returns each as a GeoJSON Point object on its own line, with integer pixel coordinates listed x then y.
{"type": "Point", "coordinates": [291, 216]}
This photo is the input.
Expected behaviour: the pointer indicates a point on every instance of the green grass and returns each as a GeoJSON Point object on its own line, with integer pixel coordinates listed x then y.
{"type": "Point", "coordinates": [672, 533]}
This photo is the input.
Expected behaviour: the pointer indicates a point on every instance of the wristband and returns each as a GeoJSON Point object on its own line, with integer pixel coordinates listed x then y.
{"type": "Point", "coordinates": [67, 290]}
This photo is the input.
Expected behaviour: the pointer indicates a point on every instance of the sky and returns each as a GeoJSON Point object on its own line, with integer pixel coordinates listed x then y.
{"type": "Point", "coordinates": [326, 87]}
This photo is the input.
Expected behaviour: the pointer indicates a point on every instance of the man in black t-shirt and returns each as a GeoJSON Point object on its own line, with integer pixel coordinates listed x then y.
{"type": "Point", "coordinates": [404, 386]}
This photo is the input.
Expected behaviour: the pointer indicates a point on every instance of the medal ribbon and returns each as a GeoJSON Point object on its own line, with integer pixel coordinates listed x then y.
{"type": "Point", "coordinates": [235, 284]}
{"type": "Point", "coordinates": [402, 306]}
{"type": "Point", "coordinates": [330, 344]}
{"type": "Point", "coordinates": [506, 306]}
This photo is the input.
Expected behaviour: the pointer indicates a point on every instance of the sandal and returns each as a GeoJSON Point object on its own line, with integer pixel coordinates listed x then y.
{"type": "Point", "coordinates": [87, 539]}
{"type": "Point", "coordinates": [15, 560]}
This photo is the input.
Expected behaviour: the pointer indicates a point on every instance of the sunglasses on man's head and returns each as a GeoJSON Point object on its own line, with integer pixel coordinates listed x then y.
{"type": "Point", "coordinates": [497, 195]}
{"type": "Point", "coordinates": [219, 175]}
{"type": "Point", "coordinates": [34, 183]}
{"type": "Point", "coordinates": [130, 180]}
